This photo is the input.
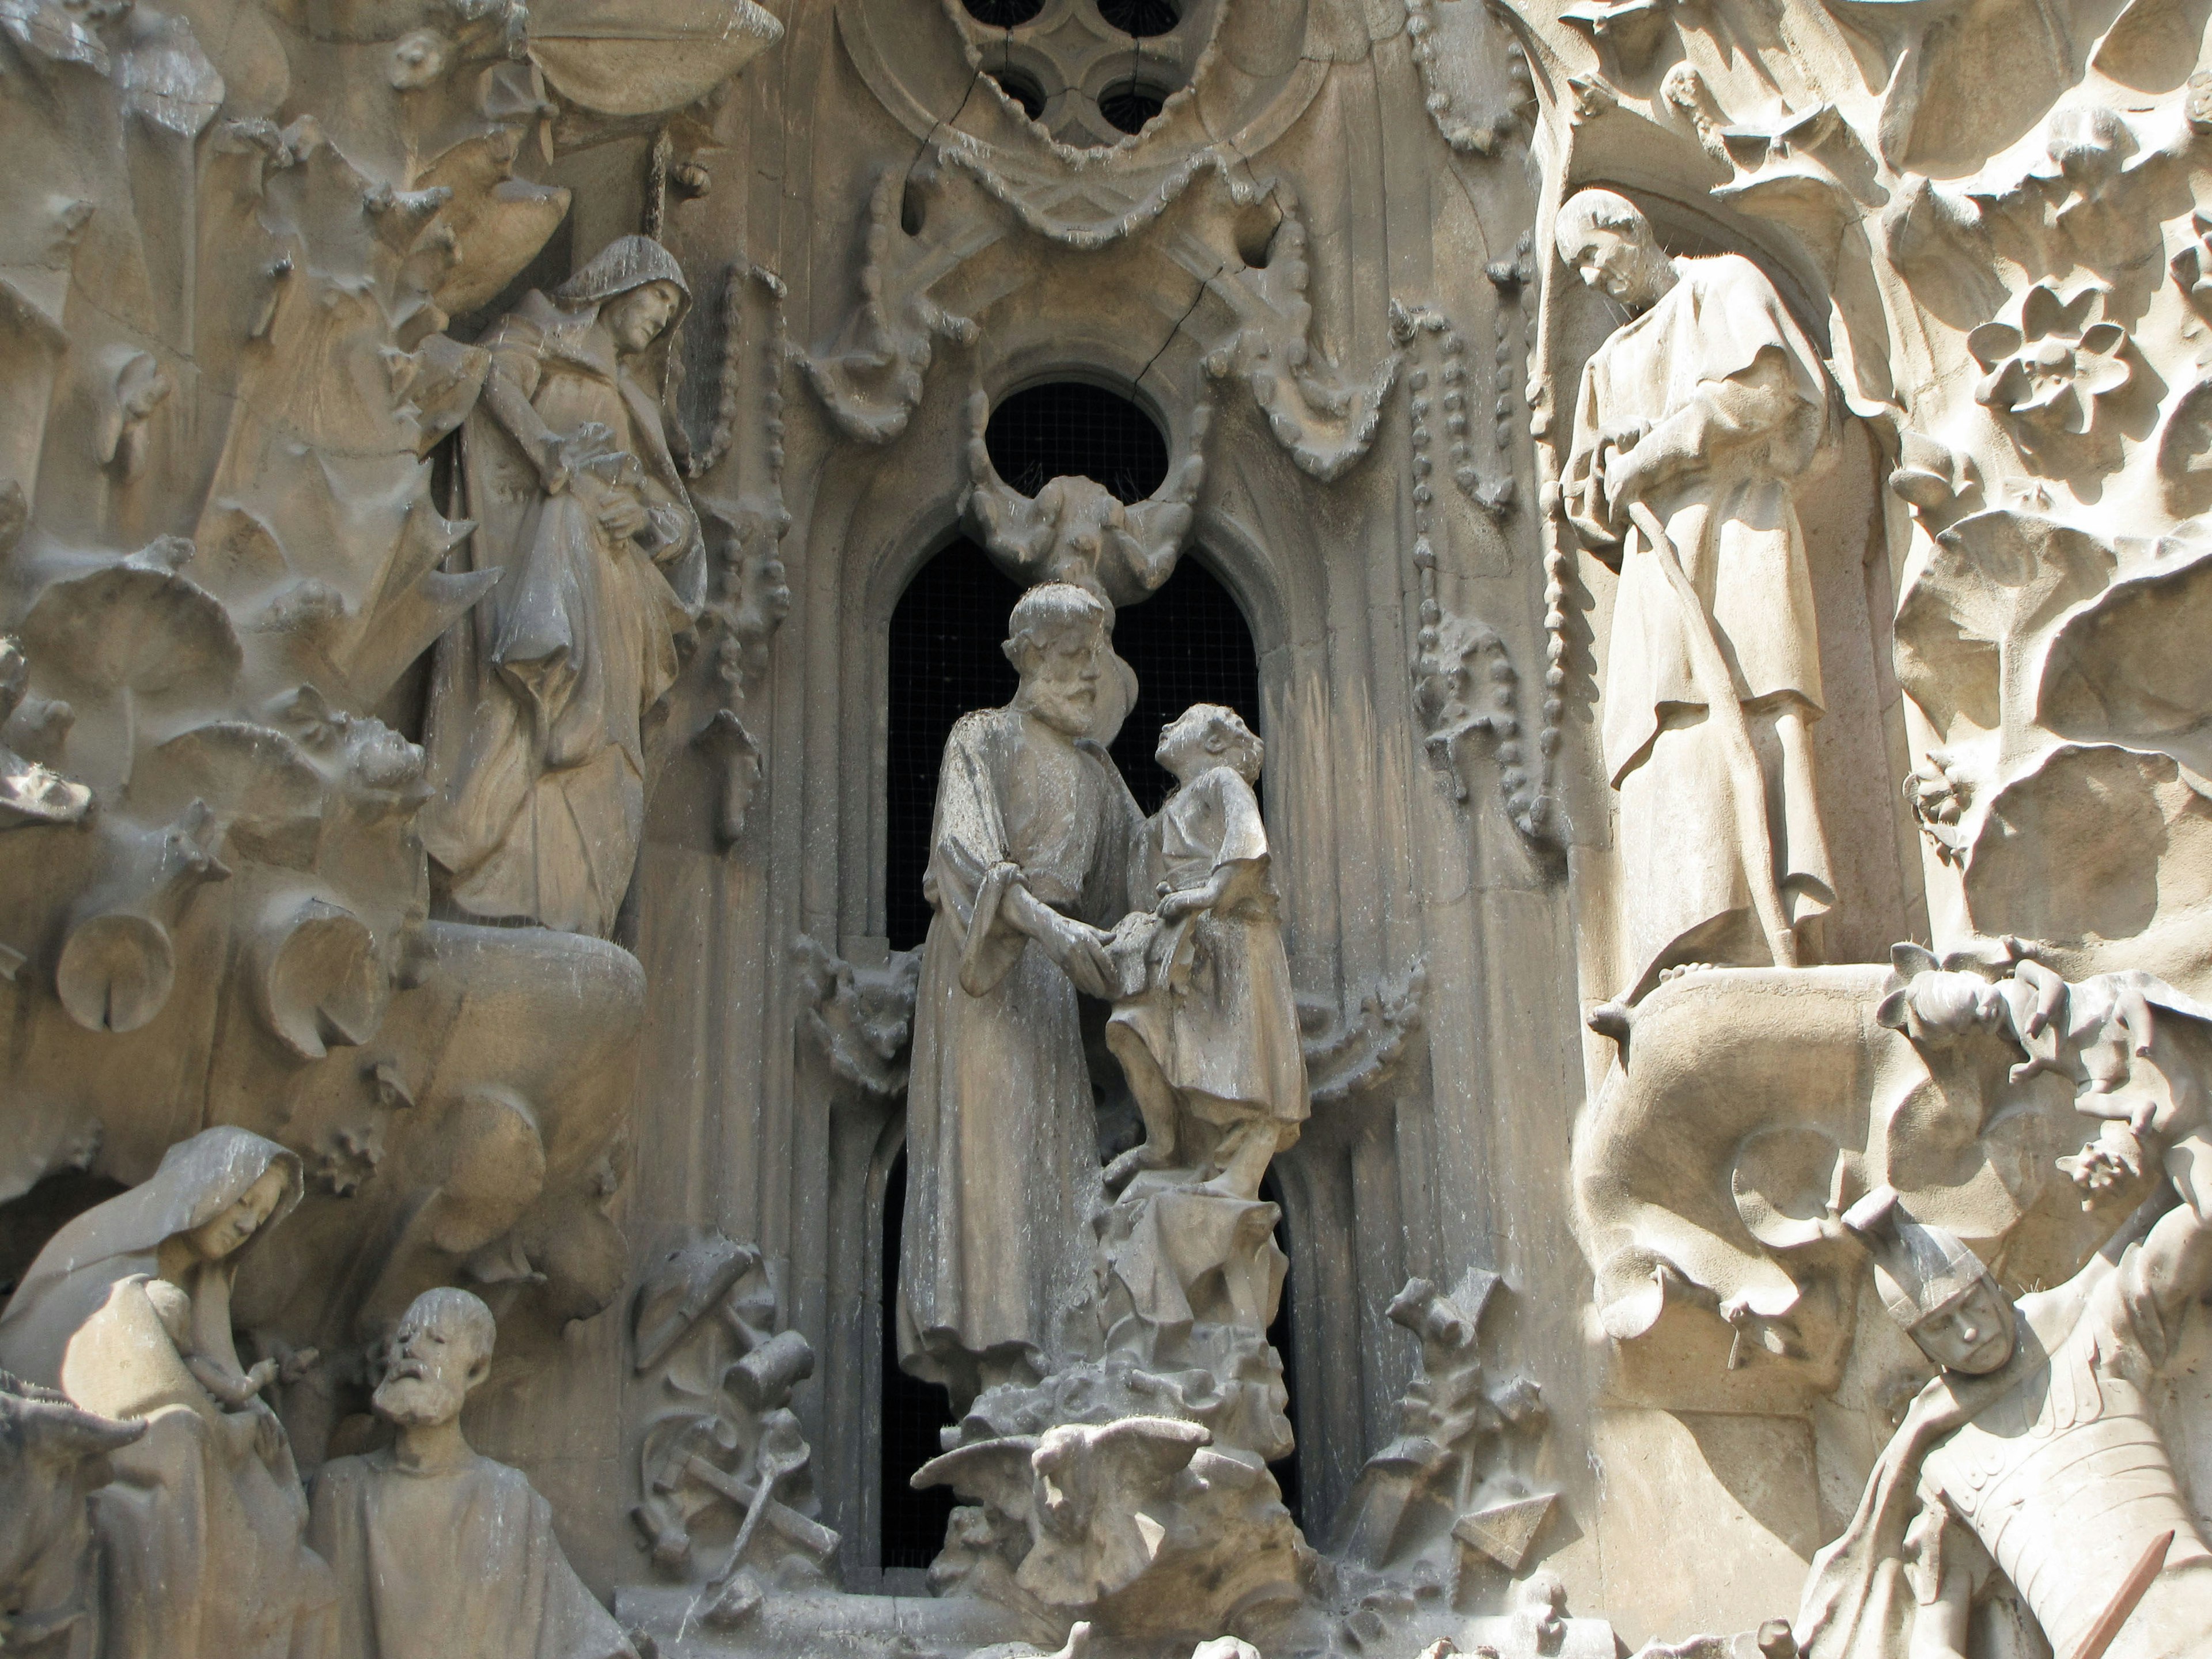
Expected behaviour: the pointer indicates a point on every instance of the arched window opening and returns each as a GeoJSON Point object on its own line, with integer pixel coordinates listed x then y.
{"type": "Point", "coordinates": [914, 1522]}
{"type": "Point", "coordinates": [1070, 428]}
{"type": "Point", "coordinates": [1187, 642]}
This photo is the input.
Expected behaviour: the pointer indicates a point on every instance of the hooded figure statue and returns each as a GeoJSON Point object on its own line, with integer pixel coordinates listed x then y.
{"type": "Point", "coordinates": [200, 1181]}
{"type": "Point", "coordinates": [540, 703]}
{"type": "Point", "coordinates": [202, 1529]}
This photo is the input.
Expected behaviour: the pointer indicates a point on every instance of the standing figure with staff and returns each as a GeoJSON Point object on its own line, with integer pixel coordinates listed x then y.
{"type": "Point", "coordinates": [1696, 423]}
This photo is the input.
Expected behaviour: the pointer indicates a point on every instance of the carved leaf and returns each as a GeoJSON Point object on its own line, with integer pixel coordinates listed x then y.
{"type": "Point", "coordinates": [2132, 668]}
{"type": "Point", "coordinates": [1967, 621]}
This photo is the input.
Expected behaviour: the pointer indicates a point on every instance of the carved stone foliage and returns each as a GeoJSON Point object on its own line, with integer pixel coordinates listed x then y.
{"type": "Point", "coordinates": [1454, 1490]}
{"type": "Point", "coordinates": [231, 249]}
{"type": "Point", "coordinates": [934, 238]}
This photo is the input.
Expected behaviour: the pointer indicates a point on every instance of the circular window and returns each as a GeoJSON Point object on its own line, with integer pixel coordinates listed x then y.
{"type": "Point", "coordinates": [1022, 89]}
{"type": "Point", "coordinates": [1070, 428]}
{"type": "Point", "coordinates": [1129, 106]}
{"type": "Point", "coordinates": [1008, 14]}
{"type": "Point", "coordinates": [1142, 18]}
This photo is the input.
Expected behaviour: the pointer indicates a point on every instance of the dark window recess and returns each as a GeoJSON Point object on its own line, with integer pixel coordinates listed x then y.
{"type": "Point", "coordinates": [1187, 642]}
{"type": "Point", "coordinates": [1141, 18]}
{"type": "Point", "coordinates": [1129, 106]}
{"type": "Point", "coordinates": [914, 1411]}
{"type": "Point", "coordinates": [1286, 1469]}
{"type": "Point", "coordinates": [1023, 90]}
{"type": "Point", "coordinates": [29, 1222]}
{"type": "Point", "coordinates": [1067, 429]}
{"type": "Point", "coordinates": [1004, 13]}
{"type": "Point", "coordinates": [946, 661]}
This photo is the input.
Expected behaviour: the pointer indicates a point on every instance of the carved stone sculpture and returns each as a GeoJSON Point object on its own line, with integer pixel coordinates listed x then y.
{"type": "Point", "coordinates": [437, 1549]}
{"type": "Point", "coordinates": [1209, 1038]}
{"type": "Point", "coordinates": [730, 1446]}
{"type": "Point", "coordinates": [1692, 426]}
{"type": "Point", "coordinates": [53, 1457]}
{"type": "Point", "coordinates": [1036, 841]}
{"type": "Point", "coordinates": [1073, 530]}
{"type": "Point", "coordinates": [2036, 1452]}
{"type": "Point", "coordinates": [1449, 1480]}
{"type": "Point", "coordinates": [202, 1529]}
{"type": "Point", "coordinates": [540, 723]}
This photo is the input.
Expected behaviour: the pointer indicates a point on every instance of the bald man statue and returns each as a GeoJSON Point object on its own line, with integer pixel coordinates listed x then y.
{"type": "Point", "coordinates": [440, 1554]}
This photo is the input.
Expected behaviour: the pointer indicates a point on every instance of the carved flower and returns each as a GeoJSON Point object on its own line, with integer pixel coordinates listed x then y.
{"type": "Point", "coordinates": [2050, 371]}
{"type": "Point", "coordinates": [2193, 266]}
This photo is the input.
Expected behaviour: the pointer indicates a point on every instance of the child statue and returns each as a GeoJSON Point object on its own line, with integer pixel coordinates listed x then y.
{"type": "Point", "coordinates": [1205, 1027]}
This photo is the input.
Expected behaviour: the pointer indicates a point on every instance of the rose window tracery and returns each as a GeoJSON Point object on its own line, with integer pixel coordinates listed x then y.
{"type": "Point", "coordinates": [1090, 72]}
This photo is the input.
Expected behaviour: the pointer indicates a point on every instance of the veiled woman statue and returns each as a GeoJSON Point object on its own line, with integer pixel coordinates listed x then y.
{"type": "Point", "coordinates": [539, 704]}
{"type": "Point", "coordinates": [126, 1310]}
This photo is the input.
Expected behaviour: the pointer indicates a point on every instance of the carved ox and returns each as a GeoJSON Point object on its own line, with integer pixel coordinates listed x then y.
{"type": "Point", "coordinates": [1750, 1107]}
{"type": "Point", "coordinates": [53, 1457]}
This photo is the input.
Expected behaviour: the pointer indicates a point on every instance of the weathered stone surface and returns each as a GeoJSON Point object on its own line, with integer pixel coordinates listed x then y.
{"type": "Point", "coordinates": [1708, 504]}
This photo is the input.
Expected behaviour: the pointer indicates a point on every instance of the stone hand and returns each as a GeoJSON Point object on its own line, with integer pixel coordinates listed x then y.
{"type": "Point", "coordinates": [1081, 950]}
{"type": "Point", "coordinates": [268, 1432]}
{"type": "Point", "coordinates": [615, 510]}
{"type": "Point", "coordinates": [1175, 906]}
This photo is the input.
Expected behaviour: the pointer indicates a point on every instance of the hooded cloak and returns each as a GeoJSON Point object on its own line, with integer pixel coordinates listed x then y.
{"type": "Point", "coordinates": [198, 1179]}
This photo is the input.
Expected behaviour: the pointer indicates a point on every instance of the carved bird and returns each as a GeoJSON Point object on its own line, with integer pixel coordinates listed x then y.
{"type": "Point", "coordinates": [1074, 529]}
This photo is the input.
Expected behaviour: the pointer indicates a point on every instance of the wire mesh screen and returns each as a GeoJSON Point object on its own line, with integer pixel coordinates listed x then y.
{"type": "Point", "coordinates": [1187, 642]}
{"type": "Point", "coordinates": [1068, 429]}
{"type": "Point", "coordinates": [914, 1411]}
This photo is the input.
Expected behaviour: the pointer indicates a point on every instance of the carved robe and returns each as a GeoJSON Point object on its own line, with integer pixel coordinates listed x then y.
{"type": "Point", "coordinates": [2052, 1468]}
{"type": "Point", "coordinates": [202, 1531]}
{"type": "Point", "coordinates": [461, 1564]}
{"type": "Point", "coordinates": [1002, 1140]}
{"type": "Point", "coordinates": [1720, 351]}
{"type": "Point", "coordinates": [538, 708]}
{"type": "Point", "coordinates": [1217, 1016]}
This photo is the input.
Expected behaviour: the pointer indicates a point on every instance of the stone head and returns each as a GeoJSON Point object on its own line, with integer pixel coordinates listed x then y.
{"type": "Point", "coordinates": [1934, 1287]}
{"type": "Point", "coordinates": [1937, 1006]}
{"type": "Point", "coordinates": [1607, 241]}
{"type": "Point", "coordinates": [440, 1351]}
{"type": "Point", "coordinates": [213, 1239]}
{"type": "Point", "coordinates": [1207, 735]}
{"type": "Point", "coordinates": [637, 319]}
{"type": "Point", "coordinates": [1056, 641]}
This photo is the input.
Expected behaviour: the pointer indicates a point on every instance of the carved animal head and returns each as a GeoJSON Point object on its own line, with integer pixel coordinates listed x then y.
{"type": "Point", "coordinates": [52, 1456]}
{"type": "Point", "coordinates": [1939, 1004]}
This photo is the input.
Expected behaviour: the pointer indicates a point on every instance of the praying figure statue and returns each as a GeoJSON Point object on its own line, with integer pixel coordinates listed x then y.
{"type": "Point", "coordinates": [1695, 423]}
{"type": "Point", "coordinates": [440, 1554]}
{"type": "Point", "coordinates": [539, 706]}
{"type": "Point", "coordinates": [1037, 845]}
{"type": "Point", "coordinates": [1209, 1035]}
{"type": "Point", "coordinates": [2035, 1453]}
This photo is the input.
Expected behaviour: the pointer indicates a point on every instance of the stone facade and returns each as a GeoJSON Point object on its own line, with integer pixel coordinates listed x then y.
{"type": "Point", "coordinates": [1631, 1074]}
